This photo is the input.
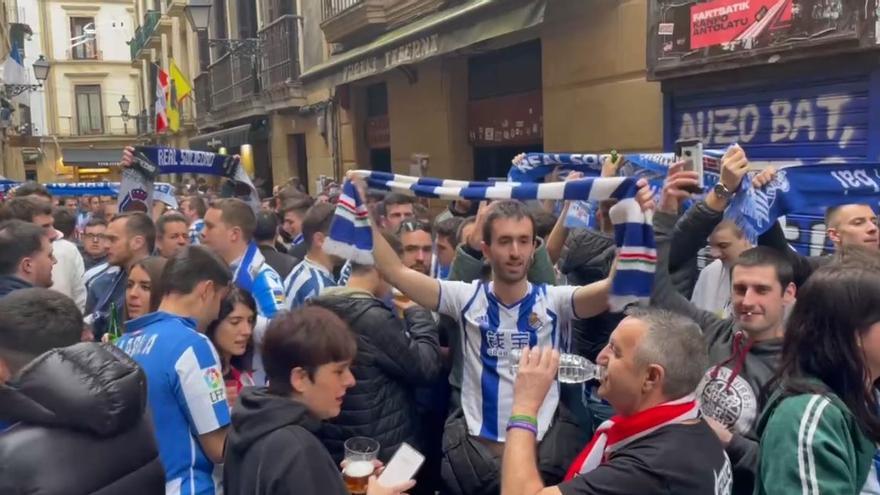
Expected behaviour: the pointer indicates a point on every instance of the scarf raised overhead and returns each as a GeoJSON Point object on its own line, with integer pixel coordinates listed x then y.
{"type": "Point", "coordinates": [802, 187]}
{"type": "Point", "coordinates": [351, 235]}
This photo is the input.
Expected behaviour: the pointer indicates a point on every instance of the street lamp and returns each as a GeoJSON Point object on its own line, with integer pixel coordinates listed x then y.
{"type": "Point", "coordinates": [41, 72]}
{"type": "Point", "coordinates": [41, 69]}
{"type": "Point", "coordinates": [123, 109]}
{"type": "Point", "coordinates": [198, 13]}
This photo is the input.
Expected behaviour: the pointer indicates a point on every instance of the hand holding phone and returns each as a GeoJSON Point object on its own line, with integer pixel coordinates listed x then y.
{"type": "Point", "coordinates": [691, 151]}
{"type": "Point", "coordinates": [404, 465]}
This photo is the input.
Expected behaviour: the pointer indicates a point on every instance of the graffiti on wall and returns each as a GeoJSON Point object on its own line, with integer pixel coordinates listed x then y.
{"type": "Point", "coordinates": [822, 118]}
{"type": "Point", "coordinates": [822, 123]}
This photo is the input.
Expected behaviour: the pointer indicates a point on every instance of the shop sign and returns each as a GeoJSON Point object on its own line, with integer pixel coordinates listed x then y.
{"type": "Point", "coordinates": [685, 36]}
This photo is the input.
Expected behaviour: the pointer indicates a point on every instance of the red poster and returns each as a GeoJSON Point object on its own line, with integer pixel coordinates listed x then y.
{"type": "Point", "coordinates": [736, 21]}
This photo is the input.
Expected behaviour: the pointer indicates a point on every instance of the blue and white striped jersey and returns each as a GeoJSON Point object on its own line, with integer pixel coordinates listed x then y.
{"type": "Point", "coordinates": [490, 330]}
{"type": "Point", "coordinates": [306, 280]}
{"type": "Point", "coordinates": [195, 232]}
{"type": "Point", "coordinates": [186, 394]}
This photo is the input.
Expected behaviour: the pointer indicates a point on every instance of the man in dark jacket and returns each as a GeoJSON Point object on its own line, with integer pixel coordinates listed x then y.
{"type": "Point", "coordinates": [394, 356]}
{"type": "Point", "coordinates": [264, 236]}
{"type": "Point", "coordinates": [25, 256]}
{"type": "Point", "coordinates": [74, 420]}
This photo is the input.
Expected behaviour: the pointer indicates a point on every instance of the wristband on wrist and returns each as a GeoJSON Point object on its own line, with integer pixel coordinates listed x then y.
{"type": "Point", "coordinates": [524, 418]}
{"type": "Point", "coordinates": [522, 425]}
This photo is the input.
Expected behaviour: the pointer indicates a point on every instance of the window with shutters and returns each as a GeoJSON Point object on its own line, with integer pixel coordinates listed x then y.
{"type": "Point", "coordinates": [89, 117]}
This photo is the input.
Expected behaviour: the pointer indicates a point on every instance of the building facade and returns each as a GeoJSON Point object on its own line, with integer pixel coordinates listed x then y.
{"type": "Point", "coordinates": [85, 126]}
{"type": "Point", "coordinates": [799, 84]}
{"type": "Point", "coordinates": [21, 110]}
{"type": "Point", "coordinates": [455, 89]}
{"type": "Point", "coordinates": [164, 37]}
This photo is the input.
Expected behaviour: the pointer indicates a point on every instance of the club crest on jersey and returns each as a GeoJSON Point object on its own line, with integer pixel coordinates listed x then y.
{"type": "Point", "coordinates": [534, 321]}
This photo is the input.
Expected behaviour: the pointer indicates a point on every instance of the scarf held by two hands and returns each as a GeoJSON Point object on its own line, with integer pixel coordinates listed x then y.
{"type": "Point", "coordinates": [351, 236]}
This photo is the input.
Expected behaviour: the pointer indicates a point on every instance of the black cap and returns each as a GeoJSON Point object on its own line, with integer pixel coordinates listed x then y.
{"type": "Point", "coordinates": [267, 225]}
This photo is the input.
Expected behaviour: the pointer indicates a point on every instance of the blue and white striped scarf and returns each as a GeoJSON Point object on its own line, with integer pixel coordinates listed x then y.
{"type": "Point", "coordinates": [351, 235]}
{"type": "Point", "coordinates": [533, 167]}
{"type": "Point", "coordinates": [247, 269]}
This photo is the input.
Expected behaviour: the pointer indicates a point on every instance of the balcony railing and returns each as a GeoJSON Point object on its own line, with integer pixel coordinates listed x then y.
{"type": "Point", "coordinates": [111, 125]}
{"type": "Point", "coordinates": [280, 52]}
{"type": "Point", "coordinates": [221, 82]}
{"type": "Point", "coordinates": [232, 79]}
{"type": "Point", "coordinates": [144, 32]}
{"type": "Point", "coordinates": [244, 76]}
{"type": "Point", "coordinates": [203, 92]}
{"type": "Point", "coordinates": [332, 8]}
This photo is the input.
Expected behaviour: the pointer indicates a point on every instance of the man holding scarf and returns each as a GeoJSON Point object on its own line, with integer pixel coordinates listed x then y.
{"type": "Point", "coordinates": [229, 232]}
{"type": "Point", "coordinates": [656, 442]}
{"type": "Point", "coordinates": [495, 317]}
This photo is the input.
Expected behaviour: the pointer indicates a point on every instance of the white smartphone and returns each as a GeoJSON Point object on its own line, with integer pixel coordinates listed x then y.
{"type": "Point", "coordinates": [402, 467]}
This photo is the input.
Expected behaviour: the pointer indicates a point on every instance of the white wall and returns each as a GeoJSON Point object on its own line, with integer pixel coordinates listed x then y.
{"type": "Point", "coordinates": [113, 71]}
{"type": "Point", "coordinates": [33, 48]}
{"type": "Point", "coordinates": [111, 40]}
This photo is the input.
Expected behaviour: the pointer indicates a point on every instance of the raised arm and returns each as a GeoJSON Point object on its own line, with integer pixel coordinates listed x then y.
{"type": "Point", "coordinates": [591, 300]}
{"type": "Point", "coordinates": [422, 289]}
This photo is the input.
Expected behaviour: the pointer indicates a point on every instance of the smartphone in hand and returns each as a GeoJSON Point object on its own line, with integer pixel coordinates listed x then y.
{"type": "Point", "coordinates": [691, 152]}
{"type": "Point", "coordinates": [402, 467]}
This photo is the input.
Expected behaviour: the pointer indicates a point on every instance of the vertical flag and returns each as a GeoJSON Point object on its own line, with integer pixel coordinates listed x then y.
{"type": "Point", "coordinates": [14, 71]}
{"type": "Point", "coordinates": [173, 109]}
{"type": "Point", "coordinates": [184, 88]}
{"type": "Point", "coordinates": [161, 107]}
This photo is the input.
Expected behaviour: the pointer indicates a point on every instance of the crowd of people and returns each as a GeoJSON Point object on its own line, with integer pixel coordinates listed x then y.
{"type": "Point", "coordinates": [214, 349]}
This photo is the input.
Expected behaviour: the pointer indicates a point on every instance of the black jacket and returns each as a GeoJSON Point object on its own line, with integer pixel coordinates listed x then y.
{"type": "Point", "coordinates": [388, 366]}
{"type": "Point", "coordinates": [9, 283]}
{"type": "Point", "coordinates": [79, 426]}
{"type": "Point", "coordinates": [272, 449]}
{"type": "Point", "coordinates": [282, 263]}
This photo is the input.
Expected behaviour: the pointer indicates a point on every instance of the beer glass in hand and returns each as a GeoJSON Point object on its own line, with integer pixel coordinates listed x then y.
{"type": "Point", "coordinates": [360, 452]}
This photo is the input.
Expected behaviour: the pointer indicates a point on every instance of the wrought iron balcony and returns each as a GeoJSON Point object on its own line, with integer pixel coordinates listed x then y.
{"type": "Point", "coordinates": [353, 21]}
{"type": "Point", "coordinates": [203, 91]}
{"type": "Point", "coordinates": [144, 32]}
{"type": "Point", "coordinates": [333, 8]}
{"type": "Point", "coordinates": [280, 64]}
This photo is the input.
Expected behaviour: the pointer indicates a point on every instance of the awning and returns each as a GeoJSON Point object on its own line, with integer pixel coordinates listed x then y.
{"type": "Point", "coordinates": [228, 138]}
{"type": "Point", "coordinates": [74, 157]}
{"type": "Point", "coordinates": [436, 34]}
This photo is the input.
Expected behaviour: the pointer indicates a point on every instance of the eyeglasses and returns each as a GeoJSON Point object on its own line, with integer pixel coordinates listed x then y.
{"type": "Point", "coordinates": [95, 237]}
{"type": "Point", "coordinates": [412, 226]}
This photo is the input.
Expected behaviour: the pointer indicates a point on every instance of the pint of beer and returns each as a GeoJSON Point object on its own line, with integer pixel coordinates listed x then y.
{"type": "Point", "coordinates": [356, 475]}
{"type": "Point", "coordinates": [360, 452]}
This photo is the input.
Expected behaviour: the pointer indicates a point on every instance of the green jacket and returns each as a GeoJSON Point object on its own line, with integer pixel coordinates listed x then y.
{"type": "Point", "coordinates": [811, 444]}
{"type": "Point", "coordinates": [466, 268]}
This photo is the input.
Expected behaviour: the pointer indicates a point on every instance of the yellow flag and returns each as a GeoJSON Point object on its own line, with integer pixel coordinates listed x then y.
{"type": "Point", "coordinates": [172, 107]}
{"type": "Point", "coordinates": [184, 88]}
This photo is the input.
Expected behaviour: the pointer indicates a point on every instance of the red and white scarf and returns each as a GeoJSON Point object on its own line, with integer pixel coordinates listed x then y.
{"type": "Point", "coordinates": [619, 431]}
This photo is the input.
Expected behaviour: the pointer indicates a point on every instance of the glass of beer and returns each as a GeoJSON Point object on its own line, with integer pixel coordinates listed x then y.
{"type": "Point", "coordinates": [360, 452]}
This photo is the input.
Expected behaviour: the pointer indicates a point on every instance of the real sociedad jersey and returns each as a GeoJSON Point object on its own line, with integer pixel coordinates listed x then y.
{"type": "Point", "coordinates": [490, 330]}
{"type": "Point", "coordinates": [195, 232]}
{"type": "Point", "coordinates": [306, 280]}
{"type": "Point", "coordinates": [186, 394]}
{"type": "Point", "coordinates": [262, 281]}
